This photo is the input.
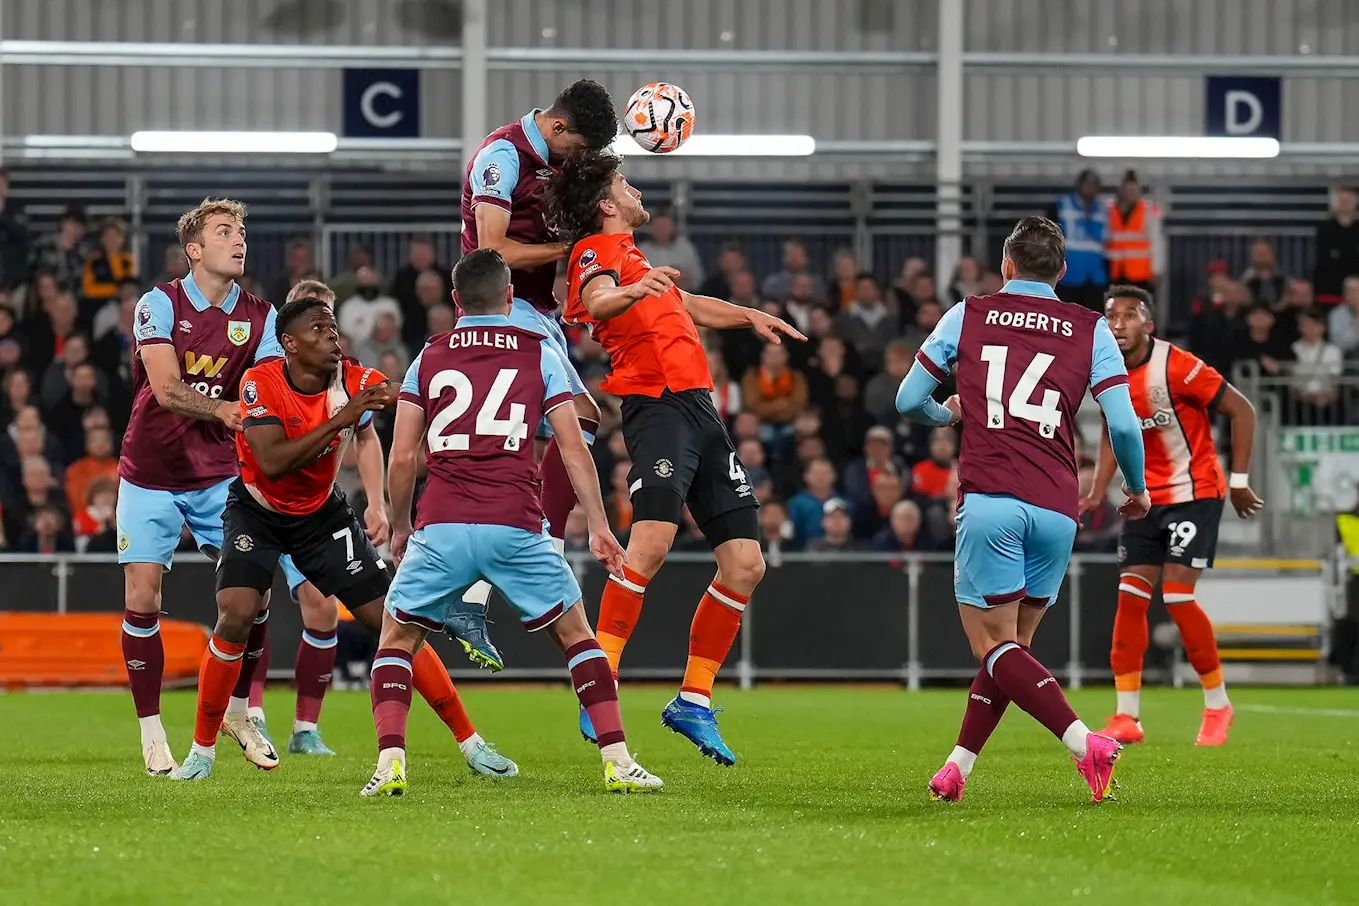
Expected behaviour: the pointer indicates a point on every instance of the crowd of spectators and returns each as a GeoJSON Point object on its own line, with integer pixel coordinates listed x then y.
{"type": "Point", "coordinates": [833, 464]}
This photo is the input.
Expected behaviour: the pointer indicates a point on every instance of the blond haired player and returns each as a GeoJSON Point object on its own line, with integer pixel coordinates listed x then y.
{"type": "Point", "coordinates": [1175, 395]}
{"type": "Point", "coordinates": [195, 337]}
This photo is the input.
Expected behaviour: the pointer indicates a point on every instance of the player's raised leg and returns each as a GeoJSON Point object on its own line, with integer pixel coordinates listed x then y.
{"type": "Point", "coordinates": [1131, 634]}
{"type": "Point", "coordinates": [1200, 647]}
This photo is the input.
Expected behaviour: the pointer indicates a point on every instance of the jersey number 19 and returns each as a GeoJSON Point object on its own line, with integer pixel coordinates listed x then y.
{"type": "Point", "coordinates": [1045, 415]}
{"type": "Point", "coordinates": [488, 422]}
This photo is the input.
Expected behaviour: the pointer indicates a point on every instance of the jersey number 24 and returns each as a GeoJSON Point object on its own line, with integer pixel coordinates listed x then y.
{"type": "Point", "coordinates": [1045, 415]}
{"type": "Point", "coordinates": [488, 423]}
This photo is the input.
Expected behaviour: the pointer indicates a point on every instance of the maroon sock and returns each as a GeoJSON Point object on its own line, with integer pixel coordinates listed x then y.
{"type": "Point", "coordinates": [315, 664]}
{"type": "Point", "coordinates": [144, 655]}
{"type": "Point", "coordinates": [596, 689]}
{"type": "Point", "coordinates": [254, 650]}
{"type": "Point", "coordinates": [261, 677]}
{"type": "Point", "coordinates": [986, 705]}
{"type": "Point", "coordinates": [390, 689]}
{"type": "Point", "coordinates": [559, 497]}
{"type": "Point", "coordinates": [1029, 684]}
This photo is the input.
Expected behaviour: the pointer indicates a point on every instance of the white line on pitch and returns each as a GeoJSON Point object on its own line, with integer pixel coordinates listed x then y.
{"type": "Point", "coordinates": [1305, 712]}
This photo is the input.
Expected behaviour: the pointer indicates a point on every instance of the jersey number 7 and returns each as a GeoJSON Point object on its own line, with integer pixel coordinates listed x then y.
{"type": "Point", "coordinates": [488, 424]}
{"type": "Point", "coordinates": [1045, 415]}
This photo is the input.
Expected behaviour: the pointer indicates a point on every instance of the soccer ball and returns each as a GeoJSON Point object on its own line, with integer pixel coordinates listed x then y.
{"type": "Point", "coordinates": [659, 117]}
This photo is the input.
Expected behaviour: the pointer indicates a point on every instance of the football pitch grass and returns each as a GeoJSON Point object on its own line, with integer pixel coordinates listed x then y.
{"type": "Point", "coordinates": [826, 805]}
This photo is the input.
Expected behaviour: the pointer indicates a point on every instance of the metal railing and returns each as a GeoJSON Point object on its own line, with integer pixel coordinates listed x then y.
{"type": "Point", "coordinates": [817, 616]}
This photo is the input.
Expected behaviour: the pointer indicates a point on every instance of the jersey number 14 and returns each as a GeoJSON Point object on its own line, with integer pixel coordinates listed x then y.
{"type": "Point", "coordinates": [488, 424]}
{"type": "Point", "coordinates": [1045, 415]}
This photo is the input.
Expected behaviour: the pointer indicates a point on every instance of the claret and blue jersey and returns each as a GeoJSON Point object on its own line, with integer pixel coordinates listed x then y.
{"type": "Point", "coordinates": [1023, 361]}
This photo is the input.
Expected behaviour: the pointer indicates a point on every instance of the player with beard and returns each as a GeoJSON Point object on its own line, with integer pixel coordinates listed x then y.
{"type": "Point", "coordinates": [678, 445]}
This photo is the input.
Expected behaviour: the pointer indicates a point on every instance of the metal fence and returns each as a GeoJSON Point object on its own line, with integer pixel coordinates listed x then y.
{"type": "Point", "coordinates": [816, 617]}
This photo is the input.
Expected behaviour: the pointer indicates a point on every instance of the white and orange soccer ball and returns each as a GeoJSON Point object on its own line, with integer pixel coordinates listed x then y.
{"type": "Point", "coordinates": [659, 117]}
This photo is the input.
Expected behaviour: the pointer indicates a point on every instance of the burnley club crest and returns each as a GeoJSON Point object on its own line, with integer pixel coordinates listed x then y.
{"type": "Point", "coordinates": [238, 332]}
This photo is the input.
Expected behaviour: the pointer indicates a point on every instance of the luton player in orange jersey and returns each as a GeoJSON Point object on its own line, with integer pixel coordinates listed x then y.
{"type": "Point", "coordinates": [1175, 395]}
{"type": "Point", "coordinates": [679, 448]}
{"type": "Point", "coordinates": [298, 413]}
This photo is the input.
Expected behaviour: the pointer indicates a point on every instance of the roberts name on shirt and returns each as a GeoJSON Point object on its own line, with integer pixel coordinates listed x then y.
{"type": "Point", "coordinates": [468, 338]}
{"type": "Point", "coordinates": [1029, 320]}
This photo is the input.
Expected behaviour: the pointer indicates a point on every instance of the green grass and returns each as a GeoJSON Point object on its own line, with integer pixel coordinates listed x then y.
{"type": "Point", "coordinates": [827, 805]}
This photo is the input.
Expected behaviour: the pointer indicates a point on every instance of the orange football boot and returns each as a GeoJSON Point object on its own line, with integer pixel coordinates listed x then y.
{"type": "Point", "coordinates": [1125, 728]}
{"type": "Point", "coordinates": [1213, 730]}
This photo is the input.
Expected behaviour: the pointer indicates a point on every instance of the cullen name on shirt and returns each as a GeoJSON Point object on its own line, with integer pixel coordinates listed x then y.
{"type": "Point", "coordinates": [469, 338]}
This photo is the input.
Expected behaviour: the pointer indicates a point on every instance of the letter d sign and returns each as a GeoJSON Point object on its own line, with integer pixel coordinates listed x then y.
{"type": "Point", "coordinates": [1243, 106]}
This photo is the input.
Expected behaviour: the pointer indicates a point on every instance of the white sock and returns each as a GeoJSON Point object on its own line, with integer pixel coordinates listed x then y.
{"type": "Point", "coordinates": [386, 756]}
{"type": "Point", "coordinates": [616, 753]}
{"type": "Point", "coordinates": [696, 698]}
{"type": "Point", "coordinates": [1129, 703]}
{"type": "Point", "coordinates": [469, 745]}
{"type": "Point", "coordinates": [208, 752]}
{"type": "Point", "coordinates": [152, 730]}
{"type": "Point", "coordinates": [1216, 697]}
{"type": "Point", "coordinates": [963, 759]}
{"type": "Point", "coordinates": [1074, 738]}
{"type": "Point", "coordinates": [255, 712]}
{"type": "Point", "coordinates": [479, 593]}
{"type": "Point", "coordinates": [238, 707]}
{"type": "Point", "coordinates": [302, 726]}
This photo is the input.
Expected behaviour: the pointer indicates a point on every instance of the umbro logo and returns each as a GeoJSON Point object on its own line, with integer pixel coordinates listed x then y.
{"type": "Point", "coordinates": [136, 665]}
{"type": "Point", "coordinates": [185, 326]}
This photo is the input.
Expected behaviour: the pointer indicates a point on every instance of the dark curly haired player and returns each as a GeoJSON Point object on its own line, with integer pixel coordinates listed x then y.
{"type": "Point", "coordinates": [501, 210]}
{"type": "Point", "coordinates": [679, 447]}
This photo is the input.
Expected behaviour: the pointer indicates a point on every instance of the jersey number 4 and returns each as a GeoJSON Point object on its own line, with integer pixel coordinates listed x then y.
{"type": "Point", "coordinates": [1045, 415]}
{"type": "Point", "coordinates": [488, 424]}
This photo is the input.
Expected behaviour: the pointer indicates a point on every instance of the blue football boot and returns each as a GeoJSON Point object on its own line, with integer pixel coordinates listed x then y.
{"type": "Point", "coordinates": [466, 625]}
{"type": "Point", "coordinates": [698, 725]}
{"type": "Point", "coordinates": [587, 728]}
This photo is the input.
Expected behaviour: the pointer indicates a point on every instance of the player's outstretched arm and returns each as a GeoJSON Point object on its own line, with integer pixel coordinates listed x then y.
{"type": "Point", "coordinates": [1241, 414]}
{"type": "Point", "coordinates": [493, 222]}
{"type": "Point", "coordinates": [716, 313]}
{"type": "Point", "coordinates": [1104, 472]}
{"type": "Point", "coordinates": [603, 298]}
{"type": "Point", "coordinates": [279, 455]}
{"type": "Point", "coordinates": [162, 371]}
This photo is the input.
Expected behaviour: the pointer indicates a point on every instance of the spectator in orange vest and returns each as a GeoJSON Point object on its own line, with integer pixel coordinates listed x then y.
{"type": "Point", "coordinates": [1135, 245]}
{"type": "Point", "coordinates": [98, 462]}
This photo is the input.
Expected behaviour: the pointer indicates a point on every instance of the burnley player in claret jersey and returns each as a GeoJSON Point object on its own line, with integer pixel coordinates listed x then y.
{"type": "Point", "coordinates": [195, 337]}
{"type": "Point", "coordinates": [1023, 360]}
{"type": "Point", "coordinates": [502, 210]}
{"type": "Point", "coordinates": [468, 404]}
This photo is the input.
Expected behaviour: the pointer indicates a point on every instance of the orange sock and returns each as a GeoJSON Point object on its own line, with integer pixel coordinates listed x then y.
{"type": "Point", "coordinates": [436, 688]}
{"type": "Point", "coordinates": [619, 609]}
{"type": "Point", "coordinates": [217, 676]}
{"type": "Point", "coordinates": [1200, 643]}
{"type": "Point", "coordinates": [1130, 632]}
{"type": "Point", "coordinates": [716, 623]}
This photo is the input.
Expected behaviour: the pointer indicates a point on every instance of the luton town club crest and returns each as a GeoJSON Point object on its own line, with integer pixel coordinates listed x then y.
{"type": "Point", "coordinates": [238, 332]}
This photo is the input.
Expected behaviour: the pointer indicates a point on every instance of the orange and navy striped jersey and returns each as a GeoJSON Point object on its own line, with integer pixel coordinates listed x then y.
{"type": "Point", "coordinates": [269, 398]}
{"type": "Point", "coordinates": [1174, 394]}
